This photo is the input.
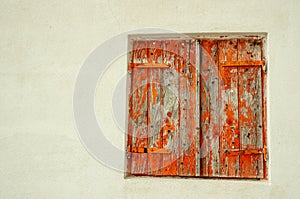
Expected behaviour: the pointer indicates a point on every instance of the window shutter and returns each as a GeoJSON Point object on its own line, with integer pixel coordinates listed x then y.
{"type": "Point", "coordinates": [242, 150]}
{"type": "Point", "coordinates": [186, 94]}
{"type": "Point", "coordinates": [162, 103]}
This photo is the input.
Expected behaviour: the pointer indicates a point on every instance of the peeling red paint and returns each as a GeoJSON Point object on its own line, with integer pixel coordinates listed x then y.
{"type": "Point", "coordinates": [190, 117]}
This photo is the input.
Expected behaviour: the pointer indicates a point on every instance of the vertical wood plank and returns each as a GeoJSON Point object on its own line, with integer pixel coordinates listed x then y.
{"type": "Point", "coordinates": [250, 109]}
{"type": "Point", "coordinates": [154, 108]}
{"type": "Point", "coordinates": [138, 112]}
{"type": "Point", "coordinates": [250, 121]}
{"type": "Point", "coordinates": [192, 119]}
{"type": "Point", "coordinates": [264, 106]}
{"type": "Point", "coordinates": [209, 113]}
{"type": "Point", "coordinates": [229, 139]}
{"type": "Point", "coordinates": [169, 99]}
{"type": "Point", "coordinates": [195, 60]}
{"type": "Point", "coordinates": [187, 93]}
{"type": "Point", "coordinates": [182, 93]}
{"type": "Point", "coordinates": [130, 108]}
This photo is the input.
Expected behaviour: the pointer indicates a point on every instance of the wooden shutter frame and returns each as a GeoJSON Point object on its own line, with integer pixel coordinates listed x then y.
{"type": "Point", "coordinates": [253, 63]}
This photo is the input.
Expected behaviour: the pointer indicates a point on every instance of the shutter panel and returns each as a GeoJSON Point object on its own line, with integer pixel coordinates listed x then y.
{"type": "Point", "coordinates": [242, 152]}
{"type": "Point", "coordinates": [162, 108]}
{"type": "Point", "coordinates": [250, 109]}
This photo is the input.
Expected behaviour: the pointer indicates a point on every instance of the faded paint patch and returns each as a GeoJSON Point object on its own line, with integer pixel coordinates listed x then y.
{"type": "Point", "coordinates": [198, 108]}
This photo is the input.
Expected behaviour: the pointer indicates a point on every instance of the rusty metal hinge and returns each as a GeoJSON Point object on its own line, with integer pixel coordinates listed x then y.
{"type": "Point", "coordinates": [147, 65]}
{"type": "Point", "coordinates": [147, 150]}
{"type": "Point", "coordinates": [235, 152]}
{"type": "Point", "coordinates": [242, 63]}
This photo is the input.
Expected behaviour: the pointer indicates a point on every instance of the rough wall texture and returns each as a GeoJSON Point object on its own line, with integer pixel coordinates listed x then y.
{"type": "Point", "coordinates": [43, 45]}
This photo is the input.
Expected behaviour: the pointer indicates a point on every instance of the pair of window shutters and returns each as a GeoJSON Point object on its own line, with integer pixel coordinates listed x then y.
{"type": "Point", "coordinates": [197, 107]}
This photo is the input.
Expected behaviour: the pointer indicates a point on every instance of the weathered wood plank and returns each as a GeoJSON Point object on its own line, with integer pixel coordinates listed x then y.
{"type": "Point", "coordinates": [192, 123]}
{"type": "Point", "coordinates": [182, 93]}
{"type": "Point", "coordinates": [195, 60]}
{"type": "Point", "coordinates": [209, 108]}
{"type": "Point", "coordinates": [264, 106]}
{"type": "Point", "coordinates": [170, 114]}
{"type": "Point", "coordinates": [228, 91]}
{"type": "Point", "coordinates": [250, 109]}
{"type": "Point", "coordinates": [154, 108]}
{"type": "Point", "coordinates": [187, 96]}
{"type": "Point", "coordinates": [130, 108]}
{"type": "Point", "coordinates": [138, 112]}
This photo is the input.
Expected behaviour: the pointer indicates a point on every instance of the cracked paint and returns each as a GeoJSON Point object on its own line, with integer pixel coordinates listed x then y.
{"type": "Point", "coordinates": [197, 108]}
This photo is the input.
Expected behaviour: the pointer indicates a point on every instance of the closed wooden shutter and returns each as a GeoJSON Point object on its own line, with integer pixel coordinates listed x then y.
{"type": "Point", "coordinates": [242, 120]}
{"type": "Point", "coordinates": [163, 127]}
{"type": "Point", "coordinates": [197, 108]}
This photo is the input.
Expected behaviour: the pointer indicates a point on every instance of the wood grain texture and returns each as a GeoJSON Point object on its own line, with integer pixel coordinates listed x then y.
{"type": "Point", "coordinates": [182, 93]}
{"type": "Point", "coordinates": [264, 106]}
{"type": "Point", "coordinates": [187, 98]}
{"type": "Point", "coordinates": [170, 115]}
{"type": "Point", "coordinates": [241, 100]}
{"type": "Point", "coordinates": [192, 123]}
{"type": "Point", "coordinates": [154, 108]}
{"type": "Point", "coordinates": [130, 108]}
{"type": "Point", "coordinates": [229, 138]}
{"type": "Point", "coordinates": [250, 109]}
{"type": "Point", "coordinates": [209, 114]}
{"type": "Point", "coordinates": [195, 60]}
{"type": "Point", "coordinates": [138, 111]}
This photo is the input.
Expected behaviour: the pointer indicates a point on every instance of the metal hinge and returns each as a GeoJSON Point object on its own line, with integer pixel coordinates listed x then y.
{"type": "Point", "coordinates": [242, 63]}
{"type": "Point", "coordinates": [236, 152]}
{"type": "Point", "coordinates": [147, 65]}
{"type": "Point", "coordinates": [147, 150]}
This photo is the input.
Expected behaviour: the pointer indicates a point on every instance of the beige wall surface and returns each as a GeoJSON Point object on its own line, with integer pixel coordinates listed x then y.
{"type": "Point", "coordinates": [43, 45]}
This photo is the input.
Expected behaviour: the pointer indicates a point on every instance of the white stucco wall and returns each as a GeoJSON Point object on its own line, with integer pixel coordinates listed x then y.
{"type": "Point", "coordinates": [44, 43]}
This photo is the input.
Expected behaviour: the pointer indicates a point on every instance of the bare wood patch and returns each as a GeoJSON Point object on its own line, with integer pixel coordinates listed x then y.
{"type": "Point", "coordinates": [209, 78]}
{"type": "Point", "coordinates": [229, 139]}
{"type": "Point", "coordinates": [170, 114]}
